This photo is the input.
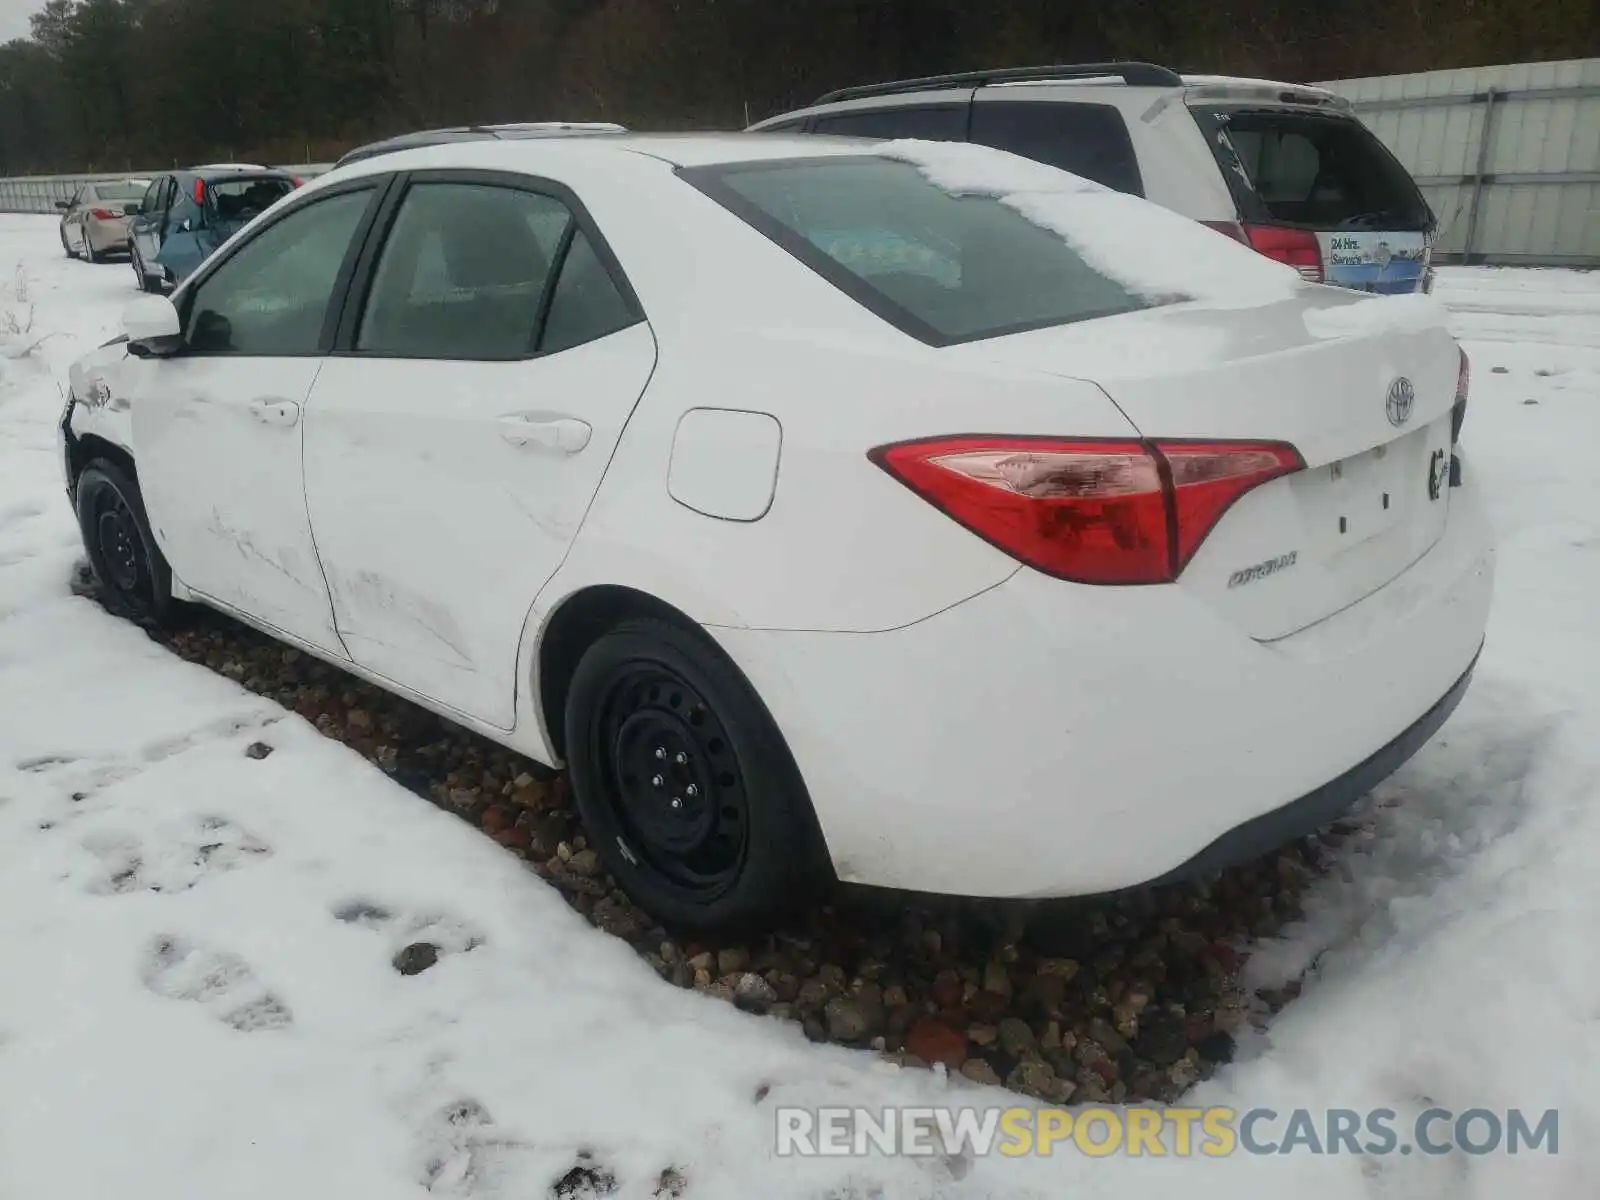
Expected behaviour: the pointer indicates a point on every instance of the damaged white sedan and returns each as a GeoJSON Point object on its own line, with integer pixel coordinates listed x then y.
{"type": "Point", "coordinates": [905, 514]}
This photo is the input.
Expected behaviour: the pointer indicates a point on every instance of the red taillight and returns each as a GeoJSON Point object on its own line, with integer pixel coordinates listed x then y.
{"type": "Point", "coordinates": [296, 181]}
{"type": "Point", "coordinates": [1297, 248]}
{"type": "Point", "coordinates": [1089, 511]}
{"type": "Point", "coordinates": [1458, 413]}
{"type": "Point", "coordinates": [103, 214]}
{"type": "Point", "coordinates": [200, 191]}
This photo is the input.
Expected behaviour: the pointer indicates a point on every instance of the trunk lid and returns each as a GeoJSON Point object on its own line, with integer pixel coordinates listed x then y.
{"type": "Point", "coordinates": [1316, 372]}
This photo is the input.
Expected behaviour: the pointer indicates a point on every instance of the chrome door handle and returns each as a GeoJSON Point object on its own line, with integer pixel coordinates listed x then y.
{"type": "Point", "coordinates": [565, 434]}
{"type": "Point", "coordinates": [275, 412]}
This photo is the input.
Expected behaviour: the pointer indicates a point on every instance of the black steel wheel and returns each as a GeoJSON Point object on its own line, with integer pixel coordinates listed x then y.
{"type": "Point", "coordinates": [134, 578]}
{"type": "Point", "coordinates": [684, 782]}
{"type": "Point", "coordinates": [678, 788]}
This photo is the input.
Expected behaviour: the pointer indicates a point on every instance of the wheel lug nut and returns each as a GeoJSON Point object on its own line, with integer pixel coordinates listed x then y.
{"type": "Point", "coordinates": [656, 781]}
{"type": "Point", "coordinates": [691, 791]}
{"type": "Point", "coordinates": [680, 758]}
{"type": "Point", "coordinates": [677, 802]}
{"type": "Point", "coordinates": [661, 753]}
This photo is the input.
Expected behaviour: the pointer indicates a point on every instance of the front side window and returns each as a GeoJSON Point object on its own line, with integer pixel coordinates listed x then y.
{"type": "Point", "coordinates": [939, 265]}
{"type": "Point", "coordinates": [152, 197]}
{"type": "Point", "coordinates": [271, 297]}
{"type": "Point", "coordinates": [929, 122]}
{"type": "Point", "coordinates": [466, 272]}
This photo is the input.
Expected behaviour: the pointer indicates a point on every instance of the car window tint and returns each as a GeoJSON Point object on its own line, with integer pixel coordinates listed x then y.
{"type": "Point", "coordinates": [940, 266]}
{"type": "Point", "coordinates": [117, 191]}
{"type": "Point", "coordinates": [270, 298]}
{"type": "Point", "coordinates": [1090, 140]}
{"type": "Point", "coordinates": [1325, 171]}
{"type": "Point", "coordinates": [463, 273]}
{"type": "Point", "coordinates": [586, 304]}
{"type": "Point", "coordinates": [934, 123]}
{"type": "Point", "coordinates": [232, 202]}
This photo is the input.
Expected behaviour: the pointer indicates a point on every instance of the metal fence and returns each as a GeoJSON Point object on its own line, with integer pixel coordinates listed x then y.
{"type": "Point", "coordinates": [39, 193]}
{"type": "Point", "coordinates": [1508, 156]}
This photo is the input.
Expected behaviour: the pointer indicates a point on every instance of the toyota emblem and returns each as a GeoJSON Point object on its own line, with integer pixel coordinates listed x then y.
{"type": "Point", "coordinates": [1401, 397]}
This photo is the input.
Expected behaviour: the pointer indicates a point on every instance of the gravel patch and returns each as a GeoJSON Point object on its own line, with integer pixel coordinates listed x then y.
{"type": "Point", "coordinates": [1130, 998]}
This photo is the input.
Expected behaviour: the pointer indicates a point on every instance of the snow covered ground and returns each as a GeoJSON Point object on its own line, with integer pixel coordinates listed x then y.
{"type": "Point", "coordinates": [196, 996]}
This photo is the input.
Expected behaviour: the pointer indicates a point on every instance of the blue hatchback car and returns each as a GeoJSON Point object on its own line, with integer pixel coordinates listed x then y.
{"type": "Point", "coordinates": [186, 215]}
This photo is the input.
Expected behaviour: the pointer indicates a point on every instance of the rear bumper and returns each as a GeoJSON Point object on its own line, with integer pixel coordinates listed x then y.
{"type": "Point", "coordinates": [1322, 807]}
{"type": "Point", "coordinates": [1043, 739]}
{"type": "Point", "coordinates": [106, 236]}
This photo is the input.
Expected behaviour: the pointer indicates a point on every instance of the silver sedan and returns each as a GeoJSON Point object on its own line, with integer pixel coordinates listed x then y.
{"type": "Point", "coordinates": [94, 223]}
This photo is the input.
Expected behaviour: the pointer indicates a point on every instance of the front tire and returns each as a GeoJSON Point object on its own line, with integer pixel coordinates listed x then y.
{"type": "Point", "coordinates": [134, 577]}
{"type": "Point", "coordinates": [684, 782]}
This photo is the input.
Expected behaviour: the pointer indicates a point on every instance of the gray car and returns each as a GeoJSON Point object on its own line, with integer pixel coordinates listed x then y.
{"type": "Point", "coordinates": [94, 223]}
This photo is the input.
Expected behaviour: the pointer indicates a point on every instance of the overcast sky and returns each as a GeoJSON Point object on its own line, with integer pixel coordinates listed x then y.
{"type": "Point", "coordinates": [14, 16]}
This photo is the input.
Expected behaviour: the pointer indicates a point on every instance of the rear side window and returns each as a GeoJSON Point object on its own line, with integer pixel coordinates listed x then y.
{"type": "Point", "coordinates": [941, 267]}
{"type": "Point", "coordinates": [1090, 140]}
{"type": "Point", "coordinates": [466, 272]}
{"type": "Point", "coordinates": [929, 122]}
{"type": "Point", "coordinates": [1311, 169]}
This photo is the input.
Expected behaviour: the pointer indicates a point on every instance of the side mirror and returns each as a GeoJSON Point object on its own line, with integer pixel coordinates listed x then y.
{"type": "Point", "coordinates": [152, 326]}
{"type": "Point", "coordinates": [63, 205]}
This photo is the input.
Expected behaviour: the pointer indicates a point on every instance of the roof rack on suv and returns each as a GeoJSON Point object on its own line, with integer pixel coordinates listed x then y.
{"type": "Point", "coordinates": [1134, 74]}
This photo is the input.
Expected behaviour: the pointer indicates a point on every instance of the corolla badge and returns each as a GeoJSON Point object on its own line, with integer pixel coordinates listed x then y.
{"type": "Point", "coordinates": [1402, 396]}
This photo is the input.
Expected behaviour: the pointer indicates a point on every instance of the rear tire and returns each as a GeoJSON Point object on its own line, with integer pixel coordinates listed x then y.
{"type": "Point", "coordinates": [141, 280]}
{"type": "Point", "coordinates": [135, 581]}
{"type": "Point", "coordinates": [90, 254]}
{"type": "Point", "coordinates": [684, 783]}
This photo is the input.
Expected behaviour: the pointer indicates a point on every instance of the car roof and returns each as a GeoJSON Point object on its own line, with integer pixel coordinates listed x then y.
{"type": "Point", "coordinates": [674, 149]}
{"type": "Point", "coordinates": [215, 171]}
{"type": "Point", "coordinates": [509, 131]}
{"type": "Point", "coordinates": [1147, 77]}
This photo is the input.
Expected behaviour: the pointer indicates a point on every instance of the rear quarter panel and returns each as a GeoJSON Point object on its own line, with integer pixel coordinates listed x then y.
{"type": "Point", "coordinates": [743, 325]}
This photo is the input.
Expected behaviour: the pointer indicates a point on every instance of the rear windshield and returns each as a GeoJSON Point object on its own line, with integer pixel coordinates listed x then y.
{"type": "Point", "coordinates": [242, 199]}
{"type": "Point", "coordinates": [941, 267]}
{"type": "Point", "coordinates": [1311, 169]}
{"type": "Point", "coordinates": [117, 191]}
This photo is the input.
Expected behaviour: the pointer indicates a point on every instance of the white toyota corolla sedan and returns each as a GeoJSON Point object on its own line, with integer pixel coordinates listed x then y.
{"type": "Point", "coordinates": [899, 513]}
